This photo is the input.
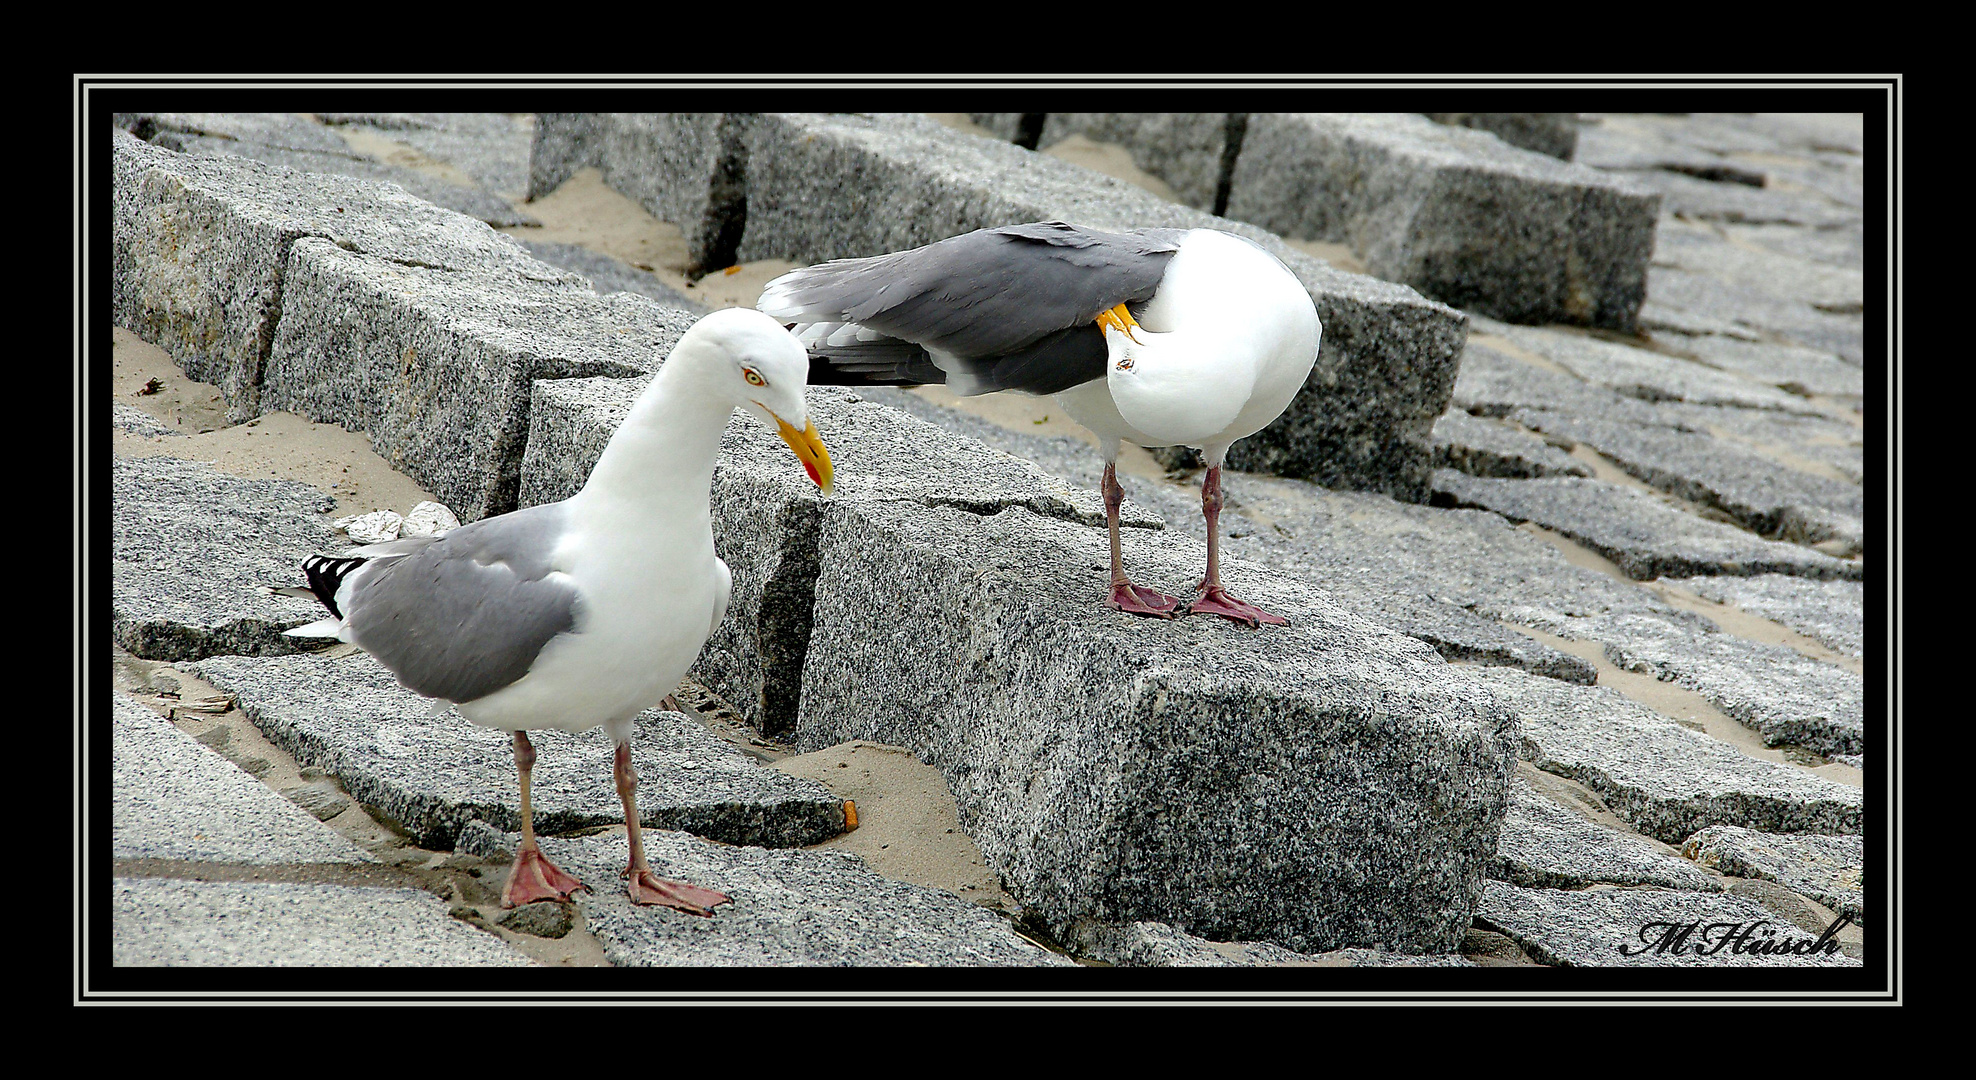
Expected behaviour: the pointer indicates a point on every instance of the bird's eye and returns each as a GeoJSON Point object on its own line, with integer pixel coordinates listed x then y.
{"type": "Point", "coordinates": [754, 378]}
{"type": "Point", "coordinates": [1125, 364]}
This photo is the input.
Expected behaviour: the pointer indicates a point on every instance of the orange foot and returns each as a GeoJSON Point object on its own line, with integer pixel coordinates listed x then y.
{"type": "Point", "coordinates": [534, 878]}
{"type": "Point", "coordinates": [648, 888]}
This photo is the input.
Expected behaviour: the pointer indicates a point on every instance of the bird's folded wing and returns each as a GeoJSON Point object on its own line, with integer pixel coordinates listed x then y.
{"type": "Point", "coordinates": [467, 614]}
{"type": "Point", "coordinates": [1059, 361]}
{"type": "Point", "coordinates": [1007, 308]}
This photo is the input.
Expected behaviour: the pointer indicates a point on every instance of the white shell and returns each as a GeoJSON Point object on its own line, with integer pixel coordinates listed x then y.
{"type": "Point", "coordinates": [429, 519]}
{"type": "Point", "coordinates": [372, 528]}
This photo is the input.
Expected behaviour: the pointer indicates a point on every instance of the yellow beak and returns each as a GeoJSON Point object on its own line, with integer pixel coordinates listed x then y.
{"type": "Point", "coordinates": [1118, 318]}
{"type": "Point", "coordinates": [809, 450]}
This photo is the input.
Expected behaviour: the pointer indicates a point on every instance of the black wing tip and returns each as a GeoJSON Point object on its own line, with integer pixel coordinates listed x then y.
{"type": "Point", "coordinates": [826, 375]}
{"type": "Point", "coordinates": [873, 367]}
{"type": "Point", "coordinates": [326, 574]}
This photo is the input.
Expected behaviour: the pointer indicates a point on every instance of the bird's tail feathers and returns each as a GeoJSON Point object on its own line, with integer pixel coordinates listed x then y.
{"type": "Point", "coordinates": [321, 628]}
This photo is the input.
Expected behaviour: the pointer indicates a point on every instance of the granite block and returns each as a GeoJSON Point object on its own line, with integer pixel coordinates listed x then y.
{"type": "Point", "coordinates": [431, 771]}
{"type": "Point", "coordinates": [1646, 537]}
{"type": "Point", "coordinates": [162, 922]}
{"type": "Point", "coordinates": [1661, 778]}
{"type": "Point", "coordinates": [1829, 869]}
{"type": "Point", "coordinates": [1317, 786]}
{"type": "Point", "coordinates": [1456, 213]}
{"type": "Point", "coordinates": [437, 366]}
{"type": "Point", "coordinates": [172, 798]}
{"type": "Point", "coordinates": [195, 552]}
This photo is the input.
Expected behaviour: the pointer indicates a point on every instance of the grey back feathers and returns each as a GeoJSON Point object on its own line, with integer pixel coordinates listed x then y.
{"type": "Point", "coordinates": [994, 309]}
{"type": "Point", "coordinates": [464, 615]}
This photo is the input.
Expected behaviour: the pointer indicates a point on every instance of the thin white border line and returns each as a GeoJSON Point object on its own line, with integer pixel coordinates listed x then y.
{"type": "Point", "coordinates": [800, 81]}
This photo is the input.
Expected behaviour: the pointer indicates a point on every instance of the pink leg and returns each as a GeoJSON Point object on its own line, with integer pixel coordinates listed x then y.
{"type": "Point", "coordinates": [646, 887]}
{"type": "Point", "coordinates": [534, 877]}
{"type": "Point", "coordinates": [1126, 596]}
{"type": "Point", "coordinates": [1214, 600]}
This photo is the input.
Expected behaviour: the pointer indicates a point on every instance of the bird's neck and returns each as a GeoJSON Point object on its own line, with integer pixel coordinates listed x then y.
{"type": "Point", "coordinates": [663, 454]}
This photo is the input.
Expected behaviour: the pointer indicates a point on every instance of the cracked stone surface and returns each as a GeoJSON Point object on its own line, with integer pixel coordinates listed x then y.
{"type": "Point", "coordinates": [804, 908]}
{"type": "Point", "coordinates": [1664, 779]}
{"type": "Point", "coordinates": [1641, 928]}
{"type": "Point", "coordinates": [1764, 499]}
{"type": "Point", "coordinates": [1151, 944]}
{"type": "Point", "coordinates": [1827, 869]}
{"type": "Point", "coordinates": [1646, 537]}
{"type": "Point", "coordinates": [1545, 845]}
{"type": "Point", "coordinates": [1479, 447]}
{"type": "Point", "coordinates": [1833, 612]}
{"type": "Point", "coordinates": [1787, 697]}
{"type": "Point", "coordinates": [432, 772]}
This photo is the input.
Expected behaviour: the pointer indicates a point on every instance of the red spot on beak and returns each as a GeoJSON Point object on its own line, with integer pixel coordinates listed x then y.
{"type": "Point", "coordinates": [814, 478]}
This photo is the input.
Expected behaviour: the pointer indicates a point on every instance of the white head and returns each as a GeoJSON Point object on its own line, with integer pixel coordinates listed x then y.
{"type": "Point", "coordinates": [748, 359]}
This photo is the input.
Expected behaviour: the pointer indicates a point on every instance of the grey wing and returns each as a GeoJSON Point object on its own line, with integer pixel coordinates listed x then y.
{"type": "Point", "coordinates": [1006, 308]}
{"type": "Point", "coordinates": [465, 615]}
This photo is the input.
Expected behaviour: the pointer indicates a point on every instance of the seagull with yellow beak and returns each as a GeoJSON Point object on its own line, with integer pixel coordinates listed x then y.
{"type": "Point", "coordinates": [590, 610]}
{"type": "Point", "coordinates": [1158, 337]}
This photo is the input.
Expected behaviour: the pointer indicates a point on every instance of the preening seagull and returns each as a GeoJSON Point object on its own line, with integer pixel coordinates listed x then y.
{"type": "Point", "coordinates": [1159, 337]}
{"type": "Point", "coordinates": [586, 611]}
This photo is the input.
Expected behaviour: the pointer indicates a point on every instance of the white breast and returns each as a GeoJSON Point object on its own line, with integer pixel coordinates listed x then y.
{"type": "Point", "coordinates": [649, 591]}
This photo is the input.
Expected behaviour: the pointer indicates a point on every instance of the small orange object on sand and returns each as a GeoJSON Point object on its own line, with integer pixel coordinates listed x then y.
{"type": "Point", "coordinates": [850, 815]}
